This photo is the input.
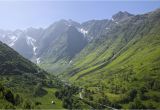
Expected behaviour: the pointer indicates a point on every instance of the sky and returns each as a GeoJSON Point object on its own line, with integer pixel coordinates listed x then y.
{"type": "Point", "coordinates": [41, 13]}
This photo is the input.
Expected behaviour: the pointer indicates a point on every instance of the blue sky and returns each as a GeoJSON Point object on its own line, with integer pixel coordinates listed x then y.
{"type": "Point", "coordinates": [23, 14]}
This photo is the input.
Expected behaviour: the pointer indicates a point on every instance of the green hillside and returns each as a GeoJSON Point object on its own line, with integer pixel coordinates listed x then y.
{"type": "Point", "coordinates": [122, 65]}
{"type": "Point", "coordinates": [23, 84]}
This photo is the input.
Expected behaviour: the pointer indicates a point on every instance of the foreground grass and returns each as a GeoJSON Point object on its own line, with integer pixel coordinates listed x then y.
{"type": "Point", "coordinates": [47, 99]}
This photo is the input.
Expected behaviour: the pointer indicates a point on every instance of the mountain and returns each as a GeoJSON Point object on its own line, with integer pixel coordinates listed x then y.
{"type": "Point", "coordinates": [47, 47]}
{"type": "Point", "coordinates": [121, 67]}
{"type": "Point", "coordinates": [121, 16]}
{"type": "Point", "coordinates": [113, 62]}
{"type": "Point", "coordinates": [25, 42]}
{"type": "Point", "coordinates": [23, 84]}
{"type": "Point", "coordinates": [60, 43]}
{"type": "Point", "coordinates": [13, 63]}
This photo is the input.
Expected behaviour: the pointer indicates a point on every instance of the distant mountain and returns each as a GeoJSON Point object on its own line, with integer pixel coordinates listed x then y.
{"type": "Point", "coordinates": [61, 40]}
{"type": "Point", "coordinates": [25, 42]}
{"type": "Point", "coordinates": [11, 63]}
{"type": "Point", "coordinates": [60, 43]}
{"type": "Point", "coordinates": [121, 16]}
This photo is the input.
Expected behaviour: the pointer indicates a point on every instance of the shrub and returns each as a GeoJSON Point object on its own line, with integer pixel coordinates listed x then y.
{"type": "Point", "coordinates": [38, 103]}
{"type": "Point", "coordinates": [27, 105]}
{"type": "Point", "coordinates": [132, 94]}
{"type": "Point", "coordinates": [156, 85]}
{"type": "Point", "coordinates": [150, 106]}
{"type": "Point", "coordinates": [137, 104]}
{"type": "Point", "coordinates": [39, 91]}
{"type": "Point", "coordinates": [9, 96]}
{"type": "Point", "coordinates": [9, 106]}
{"type": "Point", "coordinates": [18, 99]}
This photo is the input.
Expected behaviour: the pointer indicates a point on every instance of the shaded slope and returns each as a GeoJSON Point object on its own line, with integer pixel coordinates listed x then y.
{"type": "Point", "coordinates": [12, 63]}
{"type": "Point", "coordinates": [19, 76]}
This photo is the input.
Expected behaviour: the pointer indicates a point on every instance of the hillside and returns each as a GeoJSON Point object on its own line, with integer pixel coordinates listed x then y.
{"type": "Point", "coordinates": [59, 45]}
{"type": "Point", "coordinates": [24, 84]}
{"type": "Point", "coordinates": [122, 62]}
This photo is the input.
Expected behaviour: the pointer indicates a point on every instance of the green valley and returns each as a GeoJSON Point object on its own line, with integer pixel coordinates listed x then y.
{"type": "Point", "coordinates": [111, 63]}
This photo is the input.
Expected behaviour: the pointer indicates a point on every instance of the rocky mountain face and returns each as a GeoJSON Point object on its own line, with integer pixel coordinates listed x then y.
{"type": "Point", "coordinates": [66, 41]}
{"type": "Point", "coordinates": [24, 42]}
{"type": "Point", "coordinates": [62, 40]}
{"type": "Point", "coordinates": [56, 40]}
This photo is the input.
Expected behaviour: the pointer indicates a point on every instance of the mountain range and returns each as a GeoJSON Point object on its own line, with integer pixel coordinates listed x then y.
{"type": "Point", "coordinates": [116, 60]}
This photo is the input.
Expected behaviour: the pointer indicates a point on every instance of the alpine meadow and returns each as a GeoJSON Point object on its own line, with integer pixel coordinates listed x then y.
{"type": "Point", "coordinates": [102, 63]}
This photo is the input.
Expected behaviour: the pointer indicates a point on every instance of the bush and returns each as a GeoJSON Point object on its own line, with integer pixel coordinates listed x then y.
{"type": "Point", "coordinates": [1, 88]}
{"type": "Point", "coordinates": [129, 96]}
{"type": "Point", "coordinates": [39, 91]}
{"type": "Point", "coordinates": [150, 106]}
{"type": "Point", "coordinates": [9, 106]}
{"type": "Point", "coordinates": [156, 85]}
{"type": "Point", "coordinates": [132, 94]}
{"type": "Point", "coordinates": [38, 103]}
{"type": "Point", "coordinates": [18, 99]}
{"type": "Point", "coordinates": [137, 104]}
{"type": "Point", "coordinates": [27, 105]}
{"type": "Point", "coordinates": [9, 96]}
{"type": "Point", "coordinates": [143, 90]}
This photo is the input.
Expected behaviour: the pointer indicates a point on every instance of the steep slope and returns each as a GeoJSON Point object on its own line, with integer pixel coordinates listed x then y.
{"type": "Point", "coordinates": [123, 65]}
{"type": "Point", "coordinates": [61, 42]}
{"type": "Point", "coordinates": [26, 42]}
{"type": "Point", "coordinates": [11, 62]}
{"type": "Point", "coordinates": [24, 83]}
{"type": "Point", "coordinates": [50, 47]}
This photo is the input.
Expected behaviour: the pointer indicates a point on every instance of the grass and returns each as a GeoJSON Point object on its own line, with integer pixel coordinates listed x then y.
{"type": "Point", "coordinates": [48, 98]}
{"type": "Point", "coordinates": [133, 67]}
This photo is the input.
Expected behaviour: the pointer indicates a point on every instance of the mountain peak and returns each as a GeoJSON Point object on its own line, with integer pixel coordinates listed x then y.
{"type": "Point", "coordinates": [69, 22]}
{"type": "Point", "coordinates": [121, 16]}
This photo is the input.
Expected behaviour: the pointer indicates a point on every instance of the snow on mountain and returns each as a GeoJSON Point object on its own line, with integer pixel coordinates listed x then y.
{"type": "Point", "coordinates": [116, 22]}
{"type": "Point", "coordinates": [31, 42]}
{"type": "Point", "coordinates": [107, 28]}
{"type": "Point", "coordinates": [38, 60]}
{"type": "Point", "coordinates": [70, 61]}
{"type": "Point", "coordinates": [13, 39]}
{"type": "Point", "coordinates": [83, 31]}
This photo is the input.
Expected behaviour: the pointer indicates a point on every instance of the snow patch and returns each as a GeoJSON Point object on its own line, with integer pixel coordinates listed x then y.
{"type": "Point", "coordinates": [31, 42]}
{"type": "Point", "coordinates": [13, 40]}
{"type": "Point", "coordinates": [70, 62]}
{"type": "Point", "coordinates": [38, 60]}
{"type": "Point", "coordinates": [83, 31]}
{"type": "Point", "coordinates": [67, 24]}
{"type": "Point", "coordinates": [116, 22]}
{"type": "Point", "coordinates": [107, 28]}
